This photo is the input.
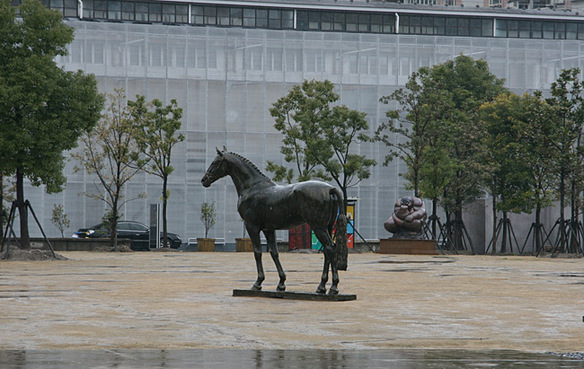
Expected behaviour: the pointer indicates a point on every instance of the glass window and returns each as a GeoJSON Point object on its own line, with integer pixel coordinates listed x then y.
{"type": "Point", "coordinates": [326, 21]}
{"type": "Point", "coordinates": [168, 13]}
{"type": "Point", "coordinates": [580, 31]}
{"type": "Point", "coordinates": [314, 20]}
{"type": "Point", "coordinates": [114, 10]}
{"type": "Point", "coordinates": [451, 27]}
{"type": "Point", "coordinates": [524, 29]}
{"type": "Point", "coordinates": [100, 9]}
{"type": "Point", "coordinates": [274, 19]}
{"type": "Point", "coordinates": [210, 15]}
{"type": "Point", "coordinates": [287, 19]}
{"type": "Point", "coordinates": [363, 22]}
{"type": "Point", "coordinates": [376, 23]}
{"type": "Point", "coordinates": [261, 18]}
{"type": "Point", "coordinates": [339, 22]}
{"type": "Point", "coordinates": [560, 31]}
{"type": "Point", "coordinates": [236, 16]}
{"type": "Point", "coordinates": [463, 27]}
{"type": "Point", "coordinates": [571, 31]}
{"type": "Point", "coordinates": [56, 4]}
{"type": "Point", "coordinates": [512, 28]}
{"type": "Point", "coordinates": [404, 24]}
{"type": "Point", "coordinates": [427, 25]}
{"type": "Point", "coordinates": [128, 11]}
{"type": "Point", "coordinates": [70, 8]}
{"type": "Point", "coordinates": [223, 16]}
{"type": "Point", "coordinates": [197, 14]}
{"type": "Point", "coordinates": [487, 27]}
{"type": "Point", "coordinates": [439, 26]}
{"type": "Point", "coordinates": [142, 12]}
{"type": "Point", "coordinates": [155, 12]}
{"type": "Point", "coordinates": [351, 24]}
{"type": "Point", "coordinates": [182, 14]}
{"type": "Point", "coordinates": [548, 30]}
{"type": "Point", "coordinates": [501, 28]}
{"type": "Point", "coordinates": [249, 17]}
{"type": "Point", "coordinates": [302, 20]}
{"type": "Point", "coordinates": [536, 29]}
{"type": "Point", "coordinates": [388, 24]}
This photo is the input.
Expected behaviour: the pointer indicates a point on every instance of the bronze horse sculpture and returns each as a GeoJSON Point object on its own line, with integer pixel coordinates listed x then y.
{"type": "Point", "coordinates": [266, 207]}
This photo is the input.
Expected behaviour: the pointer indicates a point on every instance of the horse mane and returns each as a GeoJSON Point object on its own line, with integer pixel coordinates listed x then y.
{"type": "Point", "coordinates": [248, 162]}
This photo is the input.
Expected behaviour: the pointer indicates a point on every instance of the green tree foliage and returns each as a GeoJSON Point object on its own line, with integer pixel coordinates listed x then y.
{"type": "Point", "coordinates": [60, 219]}
{"type": "Point", "coordinates": [469, 84]}
{"type": "Point", "coordinates": [111, 153]}
{"type": "Point", "coordinates": [208, 215]}
{"type": "Point", "coordinates": [43, 109]}
{"type": "Point", "coordinates": [157, 127]}
{"type": "Point", "coordinates": [510, 181]}
{"type": "Point", "coordinates": [420, 108]}
{"type": "Point", "coordinates": [535, 151]}
{"type": "Point", "coordinates": [318, 136]}
{"type": "Point", "coordinates": [566, 102]}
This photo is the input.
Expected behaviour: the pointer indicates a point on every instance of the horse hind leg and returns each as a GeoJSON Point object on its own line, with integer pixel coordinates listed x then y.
{"type": "Point", "coordinates": [257, 252]}
{"type": "Point", "coordinates": [329, 260]}
{"type": "Point", "coordinates": [271, 238]}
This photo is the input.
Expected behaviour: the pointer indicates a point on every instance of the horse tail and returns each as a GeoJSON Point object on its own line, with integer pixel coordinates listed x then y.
{"type": "Point", "coordinates": [341, 250]}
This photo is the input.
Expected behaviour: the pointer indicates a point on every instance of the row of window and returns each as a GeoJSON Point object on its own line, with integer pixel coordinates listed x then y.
{"type": "Point", "coordinates": [315, 20]}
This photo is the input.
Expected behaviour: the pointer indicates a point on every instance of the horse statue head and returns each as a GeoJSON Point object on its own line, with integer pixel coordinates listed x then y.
{"type": "Point", "coordinates": [217, 169]}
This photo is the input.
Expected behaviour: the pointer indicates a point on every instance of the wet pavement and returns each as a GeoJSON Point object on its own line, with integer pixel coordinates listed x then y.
{"type": "Point", "coordinates": [175, 310]}
{"type": "Point", "coordinates": [285, 359]}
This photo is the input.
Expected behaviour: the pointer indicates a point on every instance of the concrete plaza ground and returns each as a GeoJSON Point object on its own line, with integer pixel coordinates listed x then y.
{"type": "Point", "coordinates": [180, 301]}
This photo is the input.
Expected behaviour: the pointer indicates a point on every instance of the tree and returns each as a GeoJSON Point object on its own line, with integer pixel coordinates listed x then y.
{"type": "Point", "coordinates": [157, 129]}
{"type": "Point", "coordinates": [111, 153]}
{"type": "Point", "coordinates": [568, 116]}
{"type": "Point", "coordinates": [510, 177]}
{"type": "Point", "coordinates": [421, 106]}
{"type": "Point", "coordinates": [43, 109]}
{"type": "Point", "coordinates": [208, 215]}
{"type": "Point", "coordinates": [469, 84]}
{"type": "Point", "coordinates": [297, 115]}
{"type": "Point", "coordinates": [60, 219]}
{"type": "Point", "coordinates": [419, 109]}
{"type": "Point", "coordinates": [318, 137]}
{"type": "Point", "coordinates": [535, 151]}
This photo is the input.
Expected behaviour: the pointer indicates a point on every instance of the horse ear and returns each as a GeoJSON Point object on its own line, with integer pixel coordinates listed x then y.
{"type": "Point", "coordinates": [219, 152]}
{"type": "Point", "coordinates": [224, 148]}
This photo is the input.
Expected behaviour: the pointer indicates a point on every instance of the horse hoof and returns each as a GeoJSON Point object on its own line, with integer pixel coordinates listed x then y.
{"type": "Point", "coordinates": [256, 288]}
{"type": "Point", "coordinates": [281, 288]}
{"type": "Point", "coordinates": [333, 291]}
{"type": "Point", "coordinates": [321, 290]}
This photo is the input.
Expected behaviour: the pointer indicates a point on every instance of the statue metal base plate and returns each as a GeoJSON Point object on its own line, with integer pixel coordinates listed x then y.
{"type": "Point", "coordinates": [294, 295]}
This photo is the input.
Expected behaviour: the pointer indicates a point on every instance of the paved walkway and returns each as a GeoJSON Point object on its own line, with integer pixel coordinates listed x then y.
{"type": "Point", "coordinates": [139, 301]}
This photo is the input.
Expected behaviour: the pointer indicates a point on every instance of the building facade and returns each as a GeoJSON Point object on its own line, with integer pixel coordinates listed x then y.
{"type": "Point", "coordinates": [226, 62]}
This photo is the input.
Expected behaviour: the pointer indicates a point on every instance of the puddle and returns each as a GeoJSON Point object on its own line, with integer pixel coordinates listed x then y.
{"type": "Point", "coordinates": [223, 358]}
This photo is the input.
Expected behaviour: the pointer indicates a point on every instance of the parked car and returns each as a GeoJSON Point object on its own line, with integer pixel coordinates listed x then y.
{"type": "Point", "coordinates": [137, 232]}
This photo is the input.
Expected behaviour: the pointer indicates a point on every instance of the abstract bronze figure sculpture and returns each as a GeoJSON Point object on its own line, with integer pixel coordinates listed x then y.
{"type": "Point", "coordinates": [407, 219]}
{"type": "Point", "coordinates": [265, 207]}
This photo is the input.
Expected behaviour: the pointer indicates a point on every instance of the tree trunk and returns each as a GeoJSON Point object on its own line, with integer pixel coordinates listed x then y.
{"type": "Point", "coordinates": [434, 218]}
{"type": "Point", "coordinates": [1, 207]}
{"type": "Point", "coordinates": [164, 204]}
{"type": "Point", "coordinates": [22, 211]}
{"type": "Point", "coordinates": [505, 235]}
{"type": "Point", "coordinates": [494, 249]}
{"type": "Point", "coordinates": [537, 229]}
{"type": "Point", "coordinates": [114, 222]}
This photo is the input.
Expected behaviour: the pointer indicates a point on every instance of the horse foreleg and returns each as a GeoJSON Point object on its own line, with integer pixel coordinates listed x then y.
{"type": "Point", "coordinates": [271, 238]}
{"type": "Point", "coordinates": [324, 278]}
{"type": "Point", "coordinates": [257, 253]}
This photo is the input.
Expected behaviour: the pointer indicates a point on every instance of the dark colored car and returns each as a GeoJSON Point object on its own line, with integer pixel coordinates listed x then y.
{"type": "Point", "coordinates": [137, 232]}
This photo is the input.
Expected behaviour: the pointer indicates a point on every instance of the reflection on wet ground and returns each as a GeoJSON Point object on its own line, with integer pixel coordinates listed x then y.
{"type": "Point", "coordinates": [274, 359]}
